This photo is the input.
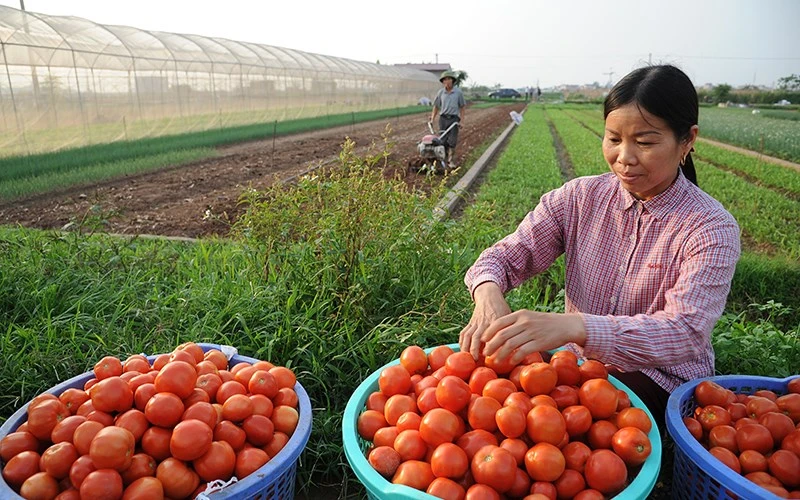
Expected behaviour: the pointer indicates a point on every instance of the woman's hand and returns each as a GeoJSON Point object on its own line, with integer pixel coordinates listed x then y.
{"type": "Point", "coordinates": [489, 306]}
{"type": "Point", "coordinates": [524, 332]}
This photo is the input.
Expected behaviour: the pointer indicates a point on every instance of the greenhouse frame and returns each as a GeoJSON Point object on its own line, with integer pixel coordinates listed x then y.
{"type": "Point", "coordinates": [68, 82]}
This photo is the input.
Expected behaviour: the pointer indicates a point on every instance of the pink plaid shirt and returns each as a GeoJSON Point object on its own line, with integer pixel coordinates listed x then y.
{"type": "Point", "coordinates": [650, 278]}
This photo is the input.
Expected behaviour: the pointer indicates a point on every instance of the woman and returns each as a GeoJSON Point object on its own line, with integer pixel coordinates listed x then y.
{"type": "Point", "coordinates": [649, 256]}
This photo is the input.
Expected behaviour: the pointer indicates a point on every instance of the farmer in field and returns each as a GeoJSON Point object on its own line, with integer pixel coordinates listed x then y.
{"type": "Point", "coordinates": [649, 256]}
{"type": "Point", "coordinates": [449, 103]}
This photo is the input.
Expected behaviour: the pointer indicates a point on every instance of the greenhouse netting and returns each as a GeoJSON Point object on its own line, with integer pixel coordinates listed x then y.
{"type": "Point", "coordinates": [68, 82]}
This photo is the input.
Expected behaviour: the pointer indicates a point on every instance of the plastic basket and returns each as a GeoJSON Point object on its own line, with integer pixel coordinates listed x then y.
{"type": "Point", "coordinates": [696, 473]}
{"type": "Point", "coordinates": [379, 488]}
{"type": "Point", "coordinates": [274, 480]}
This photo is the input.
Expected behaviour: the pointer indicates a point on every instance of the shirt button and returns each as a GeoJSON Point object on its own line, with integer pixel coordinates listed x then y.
{"type": "Point", "coordinates": [613, 300]}
{"type": "Point", "coordinates": [622, 269]}
{"type": "Point", "coordinates": [632, 237]}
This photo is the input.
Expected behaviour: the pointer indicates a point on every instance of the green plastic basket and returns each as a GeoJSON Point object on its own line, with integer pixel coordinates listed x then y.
{"type": "Point", "coordinates": [379, 488]}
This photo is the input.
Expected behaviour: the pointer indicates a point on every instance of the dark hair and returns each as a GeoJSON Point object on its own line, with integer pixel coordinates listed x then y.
{"type": "Point", "coordinates": [663, 91]}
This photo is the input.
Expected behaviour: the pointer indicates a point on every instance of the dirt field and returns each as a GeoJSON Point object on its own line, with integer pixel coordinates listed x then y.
{"type": "Point", "coordinates": [173, 201]}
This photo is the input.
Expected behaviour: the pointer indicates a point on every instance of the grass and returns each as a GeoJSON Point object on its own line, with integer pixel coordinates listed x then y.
{"type": "Point", "coordinates": [332, 277]}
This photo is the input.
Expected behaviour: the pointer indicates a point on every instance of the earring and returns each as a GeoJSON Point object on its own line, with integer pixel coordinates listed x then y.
{"type": "Point", "coordinates": [683, 160]}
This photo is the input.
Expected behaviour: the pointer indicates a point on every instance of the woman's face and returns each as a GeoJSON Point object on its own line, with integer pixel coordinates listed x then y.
{"type": "Point", "coordinates": [642, 150]}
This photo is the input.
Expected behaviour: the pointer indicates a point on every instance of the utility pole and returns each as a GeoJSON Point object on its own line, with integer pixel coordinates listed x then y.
{"type": "Point", "coordinates": [610, 76]}
{"type": "Point", "coordinates": [650, 59]}
{"type": "Point", "coordinates": [437, 58]}
{"type": "Point", "coordinates": [22, 5]}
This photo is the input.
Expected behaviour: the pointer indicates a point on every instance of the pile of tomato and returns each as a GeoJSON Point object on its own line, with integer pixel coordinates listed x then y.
{"type": "Point", "coordinates": [757, 435]}
{"type": "Point", "coordinates": [148, 431]}
{"type": "Point", "coordinates": [458, 428]}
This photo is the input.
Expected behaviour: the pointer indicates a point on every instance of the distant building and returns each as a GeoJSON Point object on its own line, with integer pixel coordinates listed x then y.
{"type": "Point", "coordinates": [435, 69]}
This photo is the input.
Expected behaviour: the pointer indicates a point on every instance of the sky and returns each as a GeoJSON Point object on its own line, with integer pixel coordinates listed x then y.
{"type": "Point", "coordinates": [500, 42]}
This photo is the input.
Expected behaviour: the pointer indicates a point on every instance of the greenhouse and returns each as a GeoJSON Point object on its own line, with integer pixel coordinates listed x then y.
{"type": "Point", "coordinates": [68, 82]}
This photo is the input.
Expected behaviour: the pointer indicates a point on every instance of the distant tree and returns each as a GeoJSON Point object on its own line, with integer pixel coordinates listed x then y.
{"type": "Point", "coordinates": [461, 77]}
{"type": "Point", "coordinates": [791, 83]}
{"type": "Point", "coordinates": [721, 92]}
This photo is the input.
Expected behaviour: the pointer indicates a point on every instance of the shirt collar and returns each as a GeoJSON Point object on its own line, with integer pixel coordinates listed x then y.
{"type": "Point", "coordinates": [660, 205]}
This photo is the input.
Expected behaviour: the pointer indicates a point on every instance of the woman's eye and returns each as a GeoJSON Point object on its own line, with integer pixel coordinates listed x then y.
{"type": "Point", "coordinates": [612, 140]}
{"type": "Point", "coordinates": [644, 143]}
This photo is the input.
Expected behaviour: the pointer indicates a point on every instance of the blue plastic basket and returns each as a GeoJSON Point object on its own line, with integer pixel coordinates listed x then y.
{"type": "Point", "coordinates": [274, 480]}
{"type": "Point", "coordinates": [379, 488]}
{"type": "Point", "coordinates": [696, 473]}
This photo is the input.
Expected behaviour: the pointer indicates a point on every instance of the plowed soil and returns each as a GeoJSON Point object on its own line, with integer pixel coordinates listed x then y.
{"type": "Point", "coordinates": [174, 201]}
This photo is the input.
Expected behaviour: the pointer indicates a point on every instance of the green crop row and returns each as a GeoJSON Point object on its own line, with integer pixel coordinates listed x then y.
{"type": "Point", "coordinates": [582, 145]}
{"type": "Point", "coordinates": [741, 127]}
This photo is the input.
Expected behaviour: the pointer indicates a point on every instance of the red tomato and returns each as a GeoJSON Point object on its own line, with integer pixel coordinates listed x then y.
{"type": "Point", "coordinates": [757, 406]}
{"type": "Point", "coordinates": [414, 359]}
{"type": "Point", "coordinates": [499, 389]}
{"type": "Point", "coordinates": [177, 377]}
{"type": "Point", "coordinates": [259, 430]}
{"type": "Point", "coordinates": [192, 348]}
{"type": "Point", "coordinates": [517, 447]}
{"type": "Point", "coordinates": [228, 389]}
{"type": "Point", "coordinates": [155, 442]}
{"type": "Point", "coordinates": [112, 448]}
{"type": "Point", "coordinates": [102, 484]}
{"type": "Point", "coordinates": [439, 426]}
{"type": "Point", "coordinates": [789, 404]}
{"type": "Point", "coordinates": [217, 357]}
{"type": "Point", "coordinates": [112, 394]}
{"type": "Point", "coordinates": [108, 366]}
{"type": "Point", "coordinates": [178, 480]}
{"type": "Point", "coordinates": [794, 385]}
{"type": "Point", "coordinates": [237, 408]}
{"type": "Point", "coordinates": [449, 460]}
{"type": "Point", "coordinates": [144, 488]}
{"type": "Point", "coordinates": [249, 460]}
{"type": "Point", "coordinates": [409, 420]}
{"type": "Point", "coordinates": [474, 440]}
{"type": "Point", "coordinates": [511, 421]}
{"type": "Point", "coordinates": [544, 462]}
{"type": "Point", "coordinates": [410, 445]}
{"type": "Point", "coordinates": [17, 442]}
{"type": "Point", "coordinates": [564, 396]}
{"type": "Point", "coordinates": [634, 417]}
{"type": "Point", "coordinates": [633, 445]}
{"type": "Point", "coordinates": [285, 419]}
{"type": "Point", "coordinates": [164, 409]}
{"type": "Point", "coordinates": [231, 433]}
{"type": "Point", "coordinates": [708, 392]}
{"type": "Point", "coordinates": [568, 371]}
{"type": "Point", "coordinates": [785, 466]}
{"type": "Point", "coordinates": [40, 485]}
{"type": "Point", "coordinates": [278, 442]}
{"type": "Point", "coordinates": [460, 364]}
{"type": "Point", "coordinates": [778, 424]}
{"type": "Point", "coordinates": [494, 466]}
{"type": "Point", "coordinates": [752, 461]}
{"type": "Point", "coordinates": [438, 356]}
{"type": "Point", "coordinates": [479, 377]}
{"type": "Point", "coordinates": [576, 454]}
{"type": "Point", "coordinates": [80, 469]}
{"type": "Point", "coordinates": [414, 473]}
{"type": "Point", "coordinates": [600, 434]}
{"type": "Point", "coordinates": [57, 459]}
{"type": "Point", "coordinates": [133, 420]}
{"type": "Point", "coordinates": [453, 393]}
{"type": "Point", "coordinates": [284, 376]}
{"type": "Point", "coordinates": [538, 378]}
{"type": "Point", "coordinates": [44, 416]}
{"type": "Point", "coordinates": [592, 369]}
{"type": "Point", "coordinates": [73, 399]}
{"type": "Point", "coordinates": [190, 440]}
{"type": "Point", "coordinates": [727, 457]}
{"type": "Point", "coordinates": [385, 460]}
{"type": "Point", "coordinates": [142, 465]}
{"type": "Point", "coordinates": [754, 437]}
{"type": "Point", "coordinates": [578, 420]}
{"type": "Point", "coordinates": [210, 383]}
{"type": "Point", "coordinates": [605, 472]}
{"type": "Point", "coordinates": [725, 436]}
{"type": "Point", "coordinates": [20, 467]}
{"type": "Point", "coordinates": [396, 406]}
{"type": "Point", "coordinates": [570, 483]}
{"type": "Point", "coordinates": [545, 424]}
{"type": "Point", "coordinates": [600, 396]}
{"type": "Point", "coordinates": [482, 411]}
{"type": "Point", "coordinates": [792, 442]}
{"type": "Point", "coordinates": [712, 415]}
{"type": "Point", "coordinates": [445, 488]}
{"type": "Point", "coordinates": [143, 394]}
{"type": "Point", "coordinates": [218, 462]}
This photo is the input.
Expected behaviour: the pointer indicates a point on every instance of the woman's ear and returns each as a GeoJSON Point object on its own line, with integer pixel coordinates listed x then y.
{"type": "Point", "coordinates": [690, 139]}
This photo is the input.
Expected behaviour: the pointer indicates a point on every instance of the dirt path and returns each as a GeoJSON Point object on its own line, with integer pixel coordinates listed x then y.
{"type": "Point", "coordinates": [173, 201]}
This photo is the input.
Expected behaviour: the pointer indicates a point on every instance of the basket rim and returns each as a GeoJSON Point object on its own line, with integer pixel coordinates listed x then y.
{"type": "Point", "coordinates": [699, 456]}
{"type": "Point", "coordinates": [638, 488]}
{"type": "Point", "coordinates": [276, 466]}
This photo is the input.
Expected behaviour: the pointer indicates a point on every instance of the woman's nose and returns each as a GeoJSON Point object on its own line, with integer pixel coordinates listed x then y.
{"type": "Point", "coordinates": [627, 154]}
